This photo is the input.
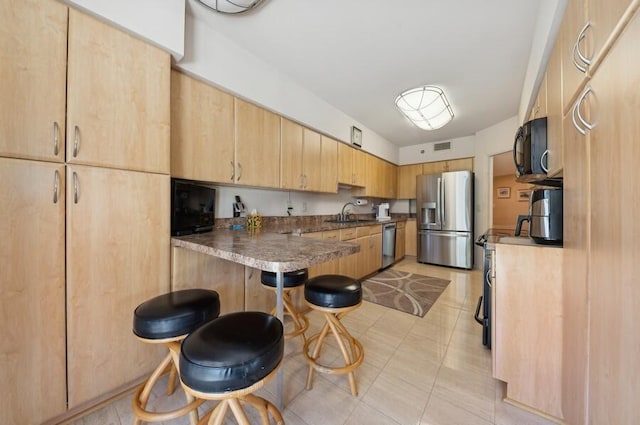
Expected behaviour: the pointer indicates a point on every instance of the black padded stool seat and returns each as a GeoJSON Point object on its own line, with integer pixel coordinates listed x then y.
{"type": "Point", "coordinates": [175, 313]}
{"type": "Point", "coordinates": [231, 352]}
{"type": "Point", "coordinates": [290, 279]}
{"type": "Point", "coordinates": [333, 291]}
{"type": "Point", "coordinates": [167, 319]}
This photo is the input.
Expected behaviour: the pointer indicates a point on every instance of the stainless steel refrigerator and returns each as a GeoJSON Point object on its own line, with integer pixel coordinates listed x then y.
{"type": "Point", "coordinates": [444, 209]}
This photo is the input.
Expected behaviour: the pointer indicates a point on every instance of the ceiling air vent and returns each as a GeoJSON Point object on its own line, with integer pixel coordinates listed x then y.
{"type": "Point", "coordinates": [444, 146]}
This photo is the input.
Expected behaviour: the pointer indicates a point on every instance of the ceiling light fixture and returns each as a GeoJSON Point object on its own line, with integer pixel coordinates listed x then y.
{"type": "Point", "coordinates": [427, 107]}
{"type": "Point", "coordinates": [231, 7]}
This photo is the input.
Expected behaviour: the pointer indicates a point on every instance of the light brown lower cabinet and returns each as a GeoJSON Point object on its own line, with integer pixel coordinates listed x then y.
{"type": "Point", "coordinates": [411, 238]}
{"type": "Point", "coordinates": [400, 240]}
{"type": "Point", "coordinates": [527, 325]}
{"type": "Point", "coordinates": [347, 265]}
{"type": "Point", "coordinates": [32, 347]}
{"type": "Point", "coordinates": [117, 256]}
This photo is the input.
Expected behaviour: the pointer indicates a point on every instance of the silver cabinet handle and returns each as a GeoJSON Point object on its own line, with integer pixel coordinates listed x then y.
{"type": "Point", "coordinates": [75, 187]}
{"type": "Point", "coordinates": [584, 94]}
{"type": "Point", "coordinates": [576, 51]}
{"type": "Point", "coordinates": [56, 185]}
{"type": "Point", "coordinates": [233, 171]}
{"type": "Point", "coordinates": [239, 171]}
{"type": "Point", "coordinates": [575, 112]}
{"type": "Point", "coordinates": [545, 154]}
{"type": "Point", "coordinates": [56, 138]}
{"type": "Point", "coordinates": [76, 140]}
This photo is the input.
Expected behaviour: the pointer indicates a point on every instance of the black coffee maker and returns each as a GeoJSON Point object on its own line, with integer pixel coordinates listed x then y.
{"type": "Point", "coordinates": [545, 216]}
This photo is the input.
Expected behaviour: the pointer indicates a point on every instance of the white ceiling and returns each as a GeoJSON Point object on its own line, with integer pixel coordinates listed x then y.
{"type": "Point", "coordinates": [358, 55]}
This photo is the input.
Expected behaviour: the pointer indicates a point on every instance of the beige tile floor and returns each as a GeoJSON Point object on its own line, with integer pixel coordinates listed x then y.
{"type": "Point", "coordinates": [432, 370]}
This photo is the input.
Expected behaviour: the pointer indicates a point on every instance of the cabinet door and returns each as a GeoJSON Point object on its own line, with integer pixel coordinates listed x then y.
{"type": "Point", "coordinates": [554, 111]}
{"type": "Point", "coordinates": [117, 257]}
{"type": "Point", "coordinates": [329, 165]}
{"type": "Point", "coordinates": [433, 167]}
{"type": "Point", "coordinates": [462, 164]}
{"type": "Point", "coordinates": [615, 197]}
{"type": "Point", "coordinates": [362, 257]}
{"type": "Point", "coordinates": [400, 243]}
{"type": "Point", "coordinates": [411, 238]}
{"type": "Point", "coordinates": [330, 267]}
{"type": "Point", "coordinates": [311, 157]}
{"type": "Point", "coordinates": [291, 156]}
{"type": "Point", "coordinates": [375, 252]}
{"type": "Point", "coordinates": [345, 163]}
{"type": "Point", "coordinates": [256, 296]}
{"type": "Point", "coordinates": [315, 270]}
{"type": "Point", "coordinates": [118, 96]}
{"type": "Point", "coordinates": [603, 17]}
{"type": "Point", "coordinates": [257, 146]}
{"type": "Point", "coordinates": [407, 180]}
{"type": "Point", "coordinates": [33, 54]}
{"type": "Point", "coordinates": [359, 167]}
{"type": "Point", "coordinates": [202, 139]}
{"type": "Point", "coordinates": [575, 17]}
{"type": "Point", "coordinates": [32, 364]}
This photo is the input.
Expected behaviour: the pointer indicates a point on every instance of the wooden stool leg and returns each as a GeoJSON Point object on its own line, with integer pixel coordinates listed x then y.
{"type": "Point", "coordinates": [173, 376]}
{"type": "Point", "coordinates": [218, 413]}
{"type": "Point", "coordinates": [349, 356]}
{"type": "Point", "coordinates": [316, 353]}
{"type": "Point", "coordinates": [238, 412]}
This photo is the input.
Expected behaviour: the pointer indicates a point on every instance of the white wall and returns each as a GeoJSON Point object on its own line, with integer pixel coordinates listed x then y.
{"type": "Point", "coordinates": [491, 141]}
{"type": "Point", "coordinates": [161, 22]}
{"type": "Point", "coordinates": [221, 62]}
{"type": "Point", "coordinates": [462, 147]}
{"type": "Point", "coordinates": [274, 202]}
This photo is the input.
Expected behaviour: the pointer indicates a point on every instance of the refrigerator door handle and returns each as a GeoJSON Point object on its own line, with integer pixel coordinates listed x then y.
{"type": "Point", "coordinates": [439, 200]}
{"type": "Point", "coordinates": [442, 203]}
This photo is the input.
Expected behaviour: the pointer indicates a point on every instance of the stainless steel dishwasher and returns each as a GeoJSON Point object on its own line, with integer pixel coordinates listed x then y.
{"type": "Point", "coordinates": [388, 244]}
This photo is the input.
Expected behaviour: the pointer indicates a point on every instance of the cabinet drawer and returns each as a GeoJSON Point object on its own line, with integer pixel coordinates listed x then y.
{"type": "Point", "coordinates": [362, 231]}
{"type": "Point", "coordinates": [401, 225]}
{"type": "Point", "coordinates": [331, 235]}
{"type": "Point", "coordinates": [374, 229]}
{"type": "Point", "coordinates": [347, 234]}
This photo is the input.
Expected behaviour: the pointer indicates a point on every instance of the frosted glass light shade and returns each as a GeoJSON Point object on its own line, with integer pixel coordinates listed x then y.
{"type": "Point", "coordinates": [427, 107]}
{"type": "Point", "coordinates": [231, 6]}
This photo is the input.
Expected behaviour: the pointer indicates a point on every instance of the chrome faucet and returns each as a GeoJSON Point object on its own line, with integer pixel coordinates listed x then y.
{"type": "Point", "coordinates": [342, 216]}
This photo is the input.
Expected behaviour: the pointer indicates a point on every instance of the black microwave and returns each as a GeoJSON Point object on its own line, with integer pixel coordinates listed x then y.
{"type": "Point", "coordinates": [530, 151]}
{"type": "Point", "coordinates": [193, 207]}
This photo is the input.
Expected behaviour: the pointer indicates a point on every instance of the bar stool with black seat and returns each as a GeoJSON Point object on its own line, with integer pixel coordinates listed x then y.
{"type": "Point", "coordinates": [291, 281]}
{"type": "Point", "coordinates": [228, 359]}
{"type": "Point", "coordinates": [168, 319]}
{"type": "Point", "coordinates": [334, 296]}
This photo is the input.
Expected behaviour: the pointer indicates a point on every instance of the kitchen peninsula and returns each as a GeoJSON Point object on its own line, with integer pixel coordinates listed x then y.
{"type": "Point", "coordinates": [272, 252]}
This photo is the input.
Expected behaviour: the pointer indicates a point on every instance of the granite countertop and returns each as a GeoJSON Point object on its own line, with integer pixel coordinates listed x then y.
{"type": "Point", "coordinates": [265, 250]}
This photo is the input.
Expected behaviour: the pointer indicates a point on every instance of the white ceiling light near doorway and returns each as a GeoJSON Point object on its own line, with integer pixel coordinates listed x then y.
{"type": "Point", "coordinates": [427, 107]}
{"type": "Point", "coordinates": [231, 7]}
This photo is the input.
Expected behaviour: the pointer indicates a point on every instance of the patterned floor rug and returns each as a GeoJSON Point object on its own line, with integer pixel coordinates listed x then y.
{"type": "Point", "coordinates": [404, 291]}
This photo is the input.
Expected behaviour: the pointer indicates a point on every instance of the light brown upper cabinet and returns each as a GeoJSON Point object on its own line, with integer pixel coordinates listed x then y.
{"type": "Point", "coordinates": [352, 165]}
{"type": "Point", "coordinates": [299, 155]}
{"type": "Point", "coordinates": [572, 42]}
{"type": "Point", "coordinates": [407, 180]}
{"type": "Point", "coordinates": [329, 165]}
{"type": "Point", "coordinates": [555, 138]}
{"type": "Point", "coordinates": [118, 92]}
{"type": "Point", "coordinates": [33, 54]}
{"type": "Point", "coordinates": [202, 135]}
{"type": "Point", "coordinates": [539, 108]}
{"type": "Point", "coordinates": [257, 146]}
{"type": "Point", "coordinates": [449, 165]}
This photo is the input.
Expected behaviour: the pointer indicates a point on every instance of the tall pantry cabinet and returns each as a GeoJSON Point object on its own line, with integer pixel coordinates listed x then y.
{"type": "Point", "coordinates": [86, 233]}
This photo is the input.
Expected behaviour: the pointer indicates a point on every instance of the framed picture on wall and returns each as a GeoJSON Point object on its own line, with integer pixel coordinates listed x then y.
{"type": "Point", "coordinates": [524, 194]}
{"type": "Point", "coordinates": [504, 192]}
